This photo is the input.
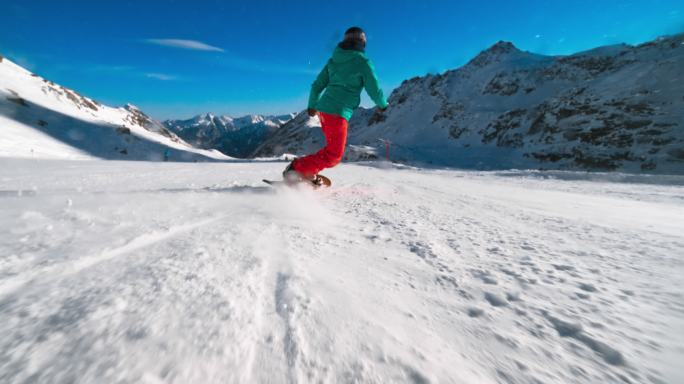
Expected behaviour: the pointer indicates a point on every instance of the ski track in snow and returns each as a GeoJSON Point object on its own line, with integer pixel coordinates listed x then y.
{"type": "Point", "coordinates": [179, 273]}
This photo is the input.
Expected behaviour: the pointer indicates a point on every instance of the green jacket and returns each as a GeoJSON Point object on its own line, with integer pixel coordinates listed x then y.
{"type": "Point", "coordinates": [343, 78]}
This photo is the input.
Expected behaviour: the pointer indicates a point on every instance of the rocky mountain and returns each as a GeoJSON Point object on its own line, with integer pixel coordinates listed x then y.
{"type": "Point", "coordinates": [302, 135]}
{"type": "Point", "coordinates": [236, 137]}
{"type": "Point", "coordinates": [617, 107]}
{"type": "Point", "coordinates": [39, 118]}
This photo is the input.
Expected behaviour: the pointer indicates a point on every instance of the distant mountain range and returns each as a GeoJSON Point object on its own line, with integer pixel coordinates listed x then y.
{"type": "Point", "coordinates": [236, 137]}
{"type": "Point", "coordinates": [617, 107]}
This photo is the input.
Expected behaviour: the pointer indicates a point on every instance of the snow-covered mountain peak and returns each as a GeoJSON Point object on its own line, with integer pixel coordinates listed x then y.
{"type": "Point", "coordinates": [501, 47]}
{"type": "Point", "coordinates": [494, 54]}
{"type": "Point", "coordinates": [40, 118]}
{"type": "Point", "coordinates": [244, 121]}
{"type": "Point", "coordinates": [131, 108]}
{"type": "Point", "coordinates": [205, 117]}
{"type": "Point", "coordinates": [617, 107]}
{"type": "Point", "coordinates": [210, 120]}
{"type": "Point", "coordinates": [237, 136]}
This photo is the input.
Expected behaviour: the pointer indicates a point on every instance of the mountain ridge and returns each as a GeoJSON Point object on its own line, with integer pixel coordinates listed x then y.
{"type": "Point", "coordinates": [234, 136]}
{"type": "Point", "coordinates": [616, 107]}
{"type": "Point", "coordinates": [40, 118]}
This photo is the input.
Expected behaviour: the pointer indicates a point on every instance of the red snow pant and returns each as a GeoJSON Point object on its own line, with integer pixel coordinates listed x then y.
{"type": "Point", "coordinates": [335, 131]}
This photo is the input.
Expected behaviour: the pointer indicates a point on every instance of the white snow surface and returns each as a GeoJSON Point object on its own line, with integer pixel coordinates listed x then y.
{"type": "Point", "coordinates": [139, 272]}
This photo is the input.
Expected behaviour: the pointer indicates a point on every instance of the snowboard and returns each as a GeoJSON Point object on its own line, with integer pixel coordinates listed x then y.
{"type": "Point", "coordinates": [326, 183]}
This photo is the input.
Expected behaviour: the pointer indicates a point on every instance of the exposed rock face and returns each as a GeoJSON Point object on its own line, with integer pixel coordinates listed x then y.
{"type": "Point", "coordinates": [136, 116]}
{"type": "Point", "coordinates": [612, 108]}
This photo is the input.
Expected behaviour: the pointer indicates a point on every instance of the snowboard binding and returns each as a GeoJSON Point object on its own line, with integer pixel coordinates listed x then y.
{"type": "Point", "coordinates": [291, 178]}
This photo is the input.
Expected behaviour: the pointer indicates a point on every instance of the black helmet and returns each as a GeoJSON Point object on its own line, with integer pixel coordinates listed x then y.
{"type": "Point", "coordinates": [354, 33]}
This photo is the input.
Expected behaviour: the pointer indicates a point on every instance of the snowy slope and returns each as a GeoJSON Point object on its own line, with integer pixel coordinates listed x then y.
{"type": "Point", "coordinates": [612, 108]}
{"type": "Point", "coordinates": [303, 135]}
{"type": "Point", "coordinates": [298, 133]}
{"type": "Point", "coordinates": [135, 272]}
{"type": "Point", "coordinates": [237, 137]}
{"type": "Point", "coordinates": [41, 119]}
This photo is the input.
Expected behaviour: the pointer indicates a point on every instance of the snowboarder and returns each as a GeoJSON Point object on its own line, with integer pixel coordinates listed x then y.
{"type": "Point", "coordinates": [344, 76]}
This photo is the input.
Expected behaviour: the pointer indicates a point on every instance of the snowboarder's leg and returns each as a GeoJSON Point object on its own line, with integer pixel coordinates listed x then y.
{"type": "Point", "coordinates": [335, 131]}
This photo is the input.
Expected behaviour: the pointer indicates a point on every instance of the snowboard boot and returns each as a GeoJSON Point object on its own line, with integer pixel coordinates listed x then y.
{"type": "Point", "coordinates": [291, 176]}
{"type": "Point", "coordinates": [317, 181]}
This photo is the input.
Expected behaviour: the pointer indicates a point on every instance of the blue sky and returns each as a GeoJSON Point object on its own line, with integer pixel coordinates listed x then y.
{"type": "Point", "coordinates": [178, 58]}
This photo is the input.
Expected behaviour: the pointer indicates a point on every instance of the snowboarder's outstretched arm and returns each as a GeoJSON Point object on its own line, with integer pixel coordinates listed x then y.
{"type": "Point", "coordinates": [318, 86]}
{"type": "Point", "coordinates": [370, 82]}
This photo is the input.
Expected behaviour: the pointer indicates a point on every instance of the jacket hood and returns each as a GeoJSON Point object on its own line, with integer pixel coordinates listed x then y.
{"type": "Point", "coordinates": [341, 55]}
